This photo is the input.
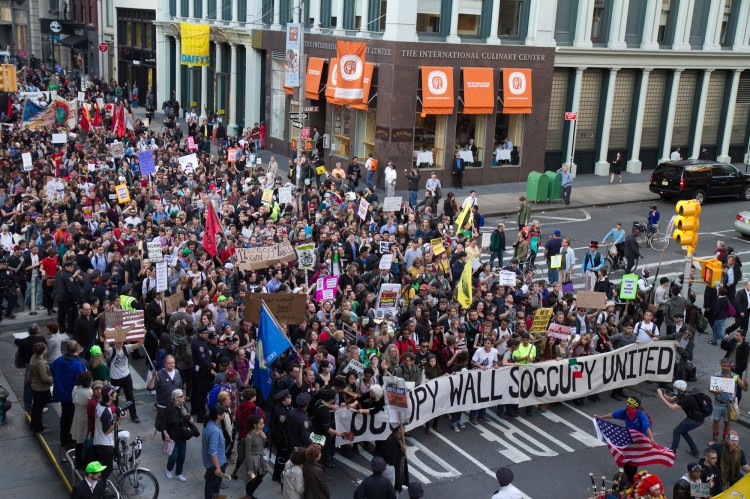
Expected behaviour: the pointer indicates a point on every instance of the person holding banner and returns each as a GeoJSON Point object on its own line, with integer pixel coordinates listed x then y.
{"type": "Point", "coordinates": [119, 365]}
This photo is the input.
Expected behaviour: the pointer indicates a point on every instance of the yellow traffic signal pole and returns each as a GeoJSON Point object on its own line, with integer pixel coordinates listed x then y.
{"type": "Point", "coordinates": [686, 234]}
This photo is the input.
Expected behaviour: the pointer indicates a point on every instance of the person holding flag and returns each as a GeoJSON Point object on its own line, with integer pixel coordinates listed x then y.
{"type": "Point", "coordinates": [213, 227]}
{"type": "Point", "coordinates": [270, 345]}
{"type": "Point", "coordinates": [464, 288]}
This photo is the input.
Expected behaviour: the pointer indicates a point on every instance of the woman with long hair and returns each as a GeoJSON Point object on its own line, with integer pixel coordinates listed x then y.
{"type": "Point", "coordinates": [79, 428]}
{"type": "Point", "coordinates": [254, 463]}
{"type": "Point", "coordinates": [179, 429]}
{"type": "Point", "coordinates": [49, 270]}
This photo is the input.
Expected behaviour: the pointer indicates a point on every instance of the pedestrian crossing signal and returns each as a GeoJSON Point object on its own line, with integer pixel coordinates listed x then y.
{"type": "Point", "coordinates": [711, 272]}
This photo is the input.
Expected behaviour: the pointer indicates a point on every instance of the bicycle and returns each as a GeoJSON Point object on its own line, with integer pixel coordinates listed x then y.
{"type": "Point", "coordinates": [110, 492]}
{"type": "Point", "coordinates": [651, 236]}
{"type": "Point", "coordinates": [134, 481]}
{"type": "Point", "coordinates": [615, 261]}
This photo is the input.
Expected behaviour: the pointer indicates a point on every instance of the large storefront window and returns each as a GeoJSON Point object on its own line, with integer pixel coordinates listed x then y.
{"type": "Point", "coordinates": [429, 140]}
{"type": "Point", "coordinates": [428, 16]}
{"type": "Point", "coordinates": [365, 133]}
{"type": "Point", "coordinates": [341, 130]}
{"type": "Point", "coordinates": [508, 139]}
{"type": "Point", "coordinates": [278, 100]}
{"type": "Point", "coordinates": [470, 132]}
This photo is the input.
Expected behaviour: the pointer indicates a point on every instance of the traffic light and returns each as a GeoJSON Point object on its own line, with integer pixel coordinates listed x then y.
{"type": "Point", "coordinates": [711, 272]}
{"type": "Point", "coordinates": [687, 223]}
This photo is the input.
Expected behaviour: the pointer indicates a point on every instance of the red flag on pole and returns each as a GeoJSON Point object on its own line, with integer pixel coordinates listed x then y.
{"type": "Point", "coordinates": [121, 122]}
{"type": "Point", "coordinates": [97, 115]}
{"type": "Point", "coordinates": [212, 228]}
{"type": "Point", "coordinates": [85, 121]}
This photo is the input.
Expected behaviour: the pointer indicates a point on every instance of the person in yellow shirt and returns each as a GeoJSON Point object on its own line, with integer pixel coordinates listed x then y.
{"type": "Point", "coordinates": [525, 354]}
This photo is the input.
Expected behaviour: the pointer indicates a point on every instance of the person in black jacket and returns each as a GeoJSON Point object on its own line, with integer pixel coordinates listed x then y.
{"type": "Point", "coordinates": [85, 330]}
{"type": "Point", "coordinates": [413, 179]}
{"type": "Point", "coordinates": [738, 350]}
{"type": "Point", "coordinates": [375, 486]}
{"type": "Point", "coordinates": [631, 250]}
{"type": "Point", "coordinates": [682, 487]}
{"type": "Point", "coordinates": [90, 486]}
{"type": "Point", "coordinates": [67, 294]}
{"type": "Point", "coordinates": [179, 429]}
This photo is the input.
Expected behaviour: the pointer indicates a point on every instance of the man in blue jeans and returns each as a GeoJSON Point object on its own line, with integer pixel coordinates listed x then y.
{"type": "Point", "coordinates": [213, 451]}
{"type": "Point", "coordinates": [693, 414]}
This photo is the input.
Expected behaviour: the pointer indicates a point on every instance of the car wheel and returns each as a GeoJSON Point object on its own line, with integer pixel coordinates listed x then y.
{"type": "Point", "coordinates": [745, 194]}
{"type": "Point", "coordinates": [699, 196]}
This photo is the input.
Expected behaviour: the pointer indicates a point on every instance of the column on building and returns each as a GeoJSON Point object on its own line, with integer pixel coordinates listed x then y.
{"type": "Point", "coordinates": [618, 25]}
{"type": "Point", "coordinates": [163, 65]}
{"type": "Point", "coordinates": [178, 72]}
{"type": "Point", "coordinates": [651, 25]}
{"type": "Point", "coordinates": [236, 10]}
{"type": "Point", "coordinates": [276, 15]}
{"type": "Point", "coordinates": [178, 10]}
{"type": "Point", "coordinates": [634, 163]}
{"type": "Point", "coordinates": [191, 8]}
{"type": "Point", "coordinates": [204, 8]}
{"type": "Point", "coordinates": [218, 65]}
{"type": "Point", "coordinates": [584, 23]}
{"type": "Point", "coordinates": [233, 70]}
{"type": "Point", "coordinates": [220, 10]}
{"type": "Point", "coordinates": [572, 129]}
{"type": "Point", "coordinates": [682, 26]}
{"type": "Point", "coordinates": [602, 165]}
{"type": "Point", "coordinates": [743, 28]}
{"type": "Point", "coordinates": [339, 18]}
{"type": "Point", "coordinates": [726, 136]}
{"type": "Point", "coordinates": [364, 29]}
{"type": "Point", "coordinates": [315, 6]}
{"type": "Point", "coordinates": [700, 115]}
{"type": "Point", "coordinates": [453, 35]}
{"type": "Point", "coordinates": [493, 39]}
{"type": "Point", "coordinates": [540, 28]}
{"type": "Point", "coordinates": [253, 64]}
{"type": "Point", "coordinates": [204, 92]}
{"type": "Point", "coordinates": [254, 7]}
{"type": "Point", "coordinates": [401, 22]}
{"type": "Point", "coordinates": [666, 147]}
{"type": "Point", "coordinates": [713, 25]}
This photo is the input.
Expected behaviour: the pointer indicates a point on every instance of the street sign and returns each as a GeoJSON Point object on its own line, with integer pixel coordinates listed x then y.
{"type": "Point", "coordinates": [297, 124]}
{"type": "Point", "coordinates": [103, 47]}
{"type": "Point", "coordinates": [298, 116]}
{"type": "Point", "coordinates": [311, 109]}
{"type": "Point", "coordinates": [571, 116]}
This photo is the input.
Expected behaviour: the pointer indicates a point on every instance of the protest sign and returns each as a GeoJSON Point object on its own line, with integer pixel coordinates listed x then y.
{"type": "Point", "coordinates": [88, 213]}
{"type": "Point", "coordinates": [146, 162]}
{"type": "Point", "coordinates": [357, 367]}
{"type": "Point", "coordinates": [386, 261]}
{"type": "Point", "coordinates": [59, 138]}
{"type": "Point", "coordinates": [362, 209]}
{"type": "Point", "coordinates": [392, 204]}
{"type": "Point", "coordinates": [486, 239]}
{"type": "Point", "coordinates": [117, 149]}
{"type": "Point", "coordinates": [124, 325]}
{"type": "Point", "coordinates": [388, 297]}
{"type": "Point", "coordinates": [384, 247]}
{"type": "Point", "coordinates": [700, 489]}
{"type": "Point", "coordinates": [558, 331]}
{"type": "Point", "coordinates": [305, 256]}
{"type": "Point", "coordinates": [155, 253]}
{"type": "Point", "coordinates": [172, 303]}
{"type": "Point", "coordinates": [326, 288]}
{"type": "Point", "coordinates": [81, 96]}
{"type": "Point", "coordinates": [267, 196]}
{"type": "Point", "coordinates": [286, 307]}
{"type": "Point", "coordinates": [55, 191]}
{"type": "Point", "coordinates": [395, 392]}
{"type": "Point", "coordinates": [508, 278]}
{"type": "Point", "coordinates": [123, 194]}
{"type": "Point", "coordinates": [629, 287]}
{"type": "Point", "coordinates": [190, 143]}
{"type": "Point", "coordinates": [591, 299]}
{"type": "Point", "coordinates": [541, 319]}
{"type": "Point", "coordinates": [285, 194]}
{"type": "Point", "coordinates": [232, 155]}
{"type": "Point", "coordinates": [726, 385]}
{"type": "Point", "coordinates": [351, 335]}
{"type": "Point", "coordinates": [28, 164]}
{"type": "Point", "coordinates": [161, 277]}
{"type": "Point", "coordinates": [264, 256]}
{"type": "Point", "coordinates": [437, 246]}
{"type": "Point", "coordinates": [188, 163]}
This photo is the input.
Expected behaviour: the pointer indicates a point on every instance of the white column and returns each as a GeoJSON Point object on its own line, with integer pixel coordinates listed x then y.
{"type": "Point", "coordinates": [178, 73]}
{"type": "Point", "coordinates": [191, 8]}
{"type": "Point", "coordinates": [573, 129]}
{"type": "Point", "coordinates": [213, 84]}
{"type": "Point", "coordinates": [618, 25]}
{"type": "Point", "coordinates": [204, 7]}
{"type": "Point", "coordinates": [453, 35]}
{"type": "Point", "coordinates": [178, 9]}
{"type": "Point", "coordinates": [727, 137]}
{"type": "Point", "coordinates": [315, 6]}
{"type": "Point", "coordinates": [715, 13]}
{"type": "Point", "coordinates": [219, 10]}
{"type": "Point", "coordinates": [651, 25]}
{"type": "Point", "coordinates": [634, 163]}
{"type": "Point", "coordinates": [233, 70]}
{"type": "Point", "coordinates": [602, 166]}
{"type": "Point", "coordinates": [236, 10]}
{"type": "Point", "coordinates": [339, 31]}
{"type": "Point", "coordinates": [364, 20]}
{"type": "Point", "coordinates": [671, 110]}
{"type": "Point", "coordinates": [162, 66]}
{"type": "Point", "coordinates": [401, 22]}
{"type": "Point", "coordinates": [253, 63]}
{"type": "Point", "coordinates": [204, 92]}
{"type": "Point", "coordinates": [700, 115]}
{"type": "Point", "coordinates": [493, 39]}
{"type": "Point", "coordinates": [743, 28]}
{"type": "Point", "coordinates": [584, 20]}
{"type": "Point", "coordinates": [276, 14]}
{"type": "Point", "coordinates": [682, 25]}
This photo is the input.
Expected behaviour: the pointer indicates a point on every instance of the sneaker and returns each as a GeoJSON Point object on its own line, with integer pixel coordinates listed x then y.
{"type": "Point", "coordinates": [44, 411]}
{"type": "Point", "coordinates": [181, 478]}
{"type": "Point", "coordinates": [136, 419]}
{"type": "Point", "coordinates": [462, 426]}
{"type": "Point", "coordinates": [455, 428]}
{"type": "Point", "coordinates": [168, 473]}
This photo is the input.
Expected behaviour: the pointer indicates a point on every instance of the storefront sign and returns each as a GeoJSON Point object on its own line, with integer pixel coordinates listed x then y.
{"type": "Point", "coordinates": [291, 65]}
{"type": "Point", "coordinates": [333, 69]}
{"type": "Point", "coordinates": [437, 90]}
{"type": "Point", "coordinates": [312, 80]}
{"type": "Point", "coordinates": [479, 90]}
{"type": "Point", "coordinates": [194, 42]}
{"type": "Point", "coordinates": [402, 135]}
{"type": "Point", "coordinates": [382, 133]}
{"type": "Point", "coordinates": [516, 91]}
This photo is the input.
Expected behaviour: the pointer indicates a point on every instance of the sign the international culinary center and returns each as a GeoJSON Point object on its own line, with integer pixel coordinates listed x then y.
{"type": "Point", "coordinates": [194, 43]}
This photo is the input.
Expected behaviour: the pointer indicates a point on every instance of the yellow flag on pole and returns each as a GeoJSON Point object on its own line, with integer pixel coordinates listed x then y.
{"type": "Point", "coordinates": [461, 220]}
{"type": "Point", "coordinates": [739, 489]}
{"type": "Point", "coordinates": [464, 285]}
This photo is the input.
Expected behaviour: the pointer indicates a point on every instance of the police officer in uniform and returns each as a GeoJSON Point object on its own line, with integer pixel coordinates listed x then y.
{"type": "Point", "coordinates": [298, 426]}
{"type": "Point", "coordinates": [8, 290]}
{"type": "Point", "coordinates": [279, 431]}
{"type": "Point", "coordinates": [127, 302]}
{"type": "Point", "coordinates": [67, 293]}
{"type": "Point", "coordinates": [204, 372]}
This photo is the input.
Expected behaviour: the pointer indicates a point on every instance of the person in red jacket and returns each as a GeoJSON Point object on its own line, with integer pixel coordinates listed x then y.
{"type": "Point", "coordinates": [246, 409]}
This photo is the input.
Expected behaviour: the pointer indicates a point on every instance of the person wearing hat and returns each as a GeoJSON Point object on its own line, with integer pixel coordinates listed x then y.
{"type": "Point", "coordinates": [91, 485]}
{"type": "Point", "coordinates": [298, 426]}
{"type": "Point", "coordinates": [694, 417]}
{"type": "Point", "coordinates": [127, 301]}
{"type": "Point", "coordinates": [280, 440]}
{"type": "Point", "coordinates": [552, 252]}
{"type": "Point", "coordinates": [592, 262]}
{"type": "Point", "coordinates": [506, 491]}
{"type": "Point", "coordinates": [682, 488]}
{"type": "Point", "coordinates": [376, 486]}
{"type": "Point", "coordinates": [203, 377]}
{"type": "Point", "coordinates": [67, 294]}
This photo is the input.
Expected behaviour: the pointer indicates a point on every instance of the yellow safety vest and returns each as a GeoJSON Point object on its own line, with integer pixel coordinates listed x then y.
{"type": "Point", "coordinates": [126, 302]}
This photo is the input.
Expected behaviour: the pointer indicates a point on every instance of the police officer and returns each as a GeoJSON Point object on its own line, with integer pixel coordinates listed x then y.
{"type": "Point", "coordinates": [8, 290]}
{"type": "Point", "coordinates": [204, 372]}
{"type": "Point", "coordinates": [127, 302]}
{"type": "Point", "coordinates": [279, 431]}
{"type": "Point", "coordinates": [298, 426]}
{"type": "Point", "coordinates": [67, 293]}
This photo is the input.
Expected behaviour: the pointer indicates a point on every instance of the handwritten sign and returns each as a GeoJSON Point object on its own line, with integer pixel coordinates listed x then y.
{"type": "Point", "coordinates": [124, 325]}
{"type": "Point", "coordinates": [326, 288]}
{"type": "Point", "coordinates": [59, 138]}
{"type": "Point", "coordinates": [508, 278]}
{"type": "Point", "coordinates": [392, 204]}
{"type": "Point", "coordinates": [437, 246]}
{"type": "Point", "coordinates": [265, 256]}
{"type": "Point", "coordinates": [700, 489]}
{"type": "Point", "coordinates": [161, 277]}
{"type": "Point", "coordinates": [123, 194]}
{"type": "Point", "coordinates": [117, 149]}
{"type": "Point", "coordinates": [146, 162]}
{"type": "Point", "coordinates": [541, 320]}
{"type": "Point", "coordinates": [726, 385]}
{"type": "Point", "coordinates": [388, 297]}
{"type": "Point", "coordinates": [305, 256]}
{"type": "Point", "coordinates": [285, 194]}
{"type": "Point", "coordinates": [28, 164]}
{"type": "Point", "coordinates": [591, 299]}
{"type": "Point", "coordinates": [155, 253]}
{"type": "Point", "coordinates": [362, 209]}
{"type": "Point", "coordinates": [267, 196]}
{"type": "Point", "coordinates": [191, 143]}
{"type": "Point", "coordinates": [172, 303]}
{"type": "Point", "coordinates": [351, 335]}
{"type": "Point", "coordinates": [286, 307]}
{"type": "Point", "coordinates": [486, 239]}
{"type": "Point", "coordinates": [188, 163]}
{"type": "Point", "coordinates": [558, 331]}
{"type": "Point", "coordinates": [386, 261]}
{"type": "Point", "coordinates": [629, 287]}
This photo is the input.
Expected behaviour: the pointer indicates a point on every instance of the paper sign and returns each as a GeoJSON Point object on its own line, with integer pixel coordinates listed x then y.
{"type": "Point", "coordinates": [629, 287]}
{"type": "Point", "coordinates": [59, 138]}
{"type": "Point", "coordinates": [386, 261]}
{"type": "Point", "coordinates": [188, 163]}
{"type": "Point", "coordinates": [388, 297]}
{"type": "Point", "coordinates": [305, 256]}
{"type": "Point", "coordinates": [395, 392]}
{"type": "Point", "coordinates": [555, 261]}
{"type": "Point", "coordinates": [285, 194]}
{"type": "Point", "coordinates": [541, 320]}
{"type": "Point", "coordinates": [726, 385]}
{"type": "Point", "coordinates": [155, 251]}
{"type": "Point", "coordinates": [591, 299]}
{"type": "Point", "coordinates": [437, 246]}
{"type": "Point", "coordinates": [385, 247]}
{"type": "Point", "coordinates": [558, 331]}
{"type": "Point", "coordinates": [267, 196]}
{"type": "Point", "coordinates": [190, 143]}
{"type": "Point", "coordinates": [81, 96]}
{"type": "Point", "coordinates": [486, 239]}
{"type": "Point", "coordinates": [258, 161]}
{"type": "Point", "coordinates": [351, 335]}
{"type": "Point", "coordinates": [357, 367]}
{"type": "Point", "coordinates": [232, 155]}
{"type": "Point", "coordinates": [507, 278]}
{"type": "Point", "coordinates": [28, 164]}
{"type": "Point", "coordinates": [146, 162]}
{"type": "Point", "coordinates": [286, 307]}
{"type": "Point", "coordinates": [264, 256]}
{"type": "Point", "coordinates": [700, 489]}
{"type": "Point", "coordinates": [117, 149]}
{"type": "Point", "coordinates": [91, 167]}
{"type": "Point", "coordinates": [123, 195]}
{"type": "Point", "coordinates": [392, 204]}
{"type": "Point", "coordinates": [161, 277]}
{"type": "Point", "coordinates": [55, 190]}
{"type": "Point", "coordinates": [124, 325]}
{"type": "Point", "coordinates": [326, 288]}
{"type": "Point", "coordinates": [362, 209]}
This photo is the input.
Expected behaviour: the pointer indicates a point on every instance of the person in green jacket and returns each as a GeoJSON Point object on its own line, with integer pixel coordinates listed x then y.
{"type": "Point", "coordinates": [497, 245]}
{"type": "Point", "coordinates": [99, 367]}
{"type": "Point", "coordinates": [524, 213]}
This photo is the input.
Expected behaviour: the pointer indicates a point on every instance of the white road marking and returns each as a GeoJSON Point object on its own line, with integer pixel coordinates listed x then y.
{"type": "Point", "coordinates": [539, 431]}
{"type": "Point", "coordinates": [577, 433]}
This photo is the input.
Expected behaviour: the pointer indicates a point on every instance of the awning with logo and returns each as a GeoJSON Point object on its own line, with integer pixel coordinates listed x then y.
{"type": "Point", "coordinates": [479, 90]}
{"type": "Point", "coordinates": [437, 90]}
{"type": "Point", "coordinates": [333, 69]}
{"type": "Point", "coordinates": [516, 91]}
{"type": "Point", "coordinates": [312, 78]}
{"type": "Point", "coordinates": [367, 82]}
{"type": "Point", "coordinates": [74, 41]}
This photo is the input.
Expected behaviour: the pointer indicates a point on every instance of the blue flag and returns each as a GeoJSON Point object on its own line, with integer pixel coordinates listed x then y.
{"type": "Point", "coordinates": [270, 345]}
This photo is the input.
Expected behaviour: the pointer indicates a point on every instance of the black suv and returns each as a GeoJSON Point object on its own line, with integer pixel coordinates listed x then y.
{"type": "Point", "coordinates": [699, 180]}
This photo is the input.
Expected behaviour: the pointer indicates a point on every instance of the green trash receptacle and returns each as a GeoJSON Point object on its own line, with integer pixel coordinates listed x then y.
{"type": "Point", "coordinates": [537, 188]}
{"type": "Point", "coordinates": [554, 192]}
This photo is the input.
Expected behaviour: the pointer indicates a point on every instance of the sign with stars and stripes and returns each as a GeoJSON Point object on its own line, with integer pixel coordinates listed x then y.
{"type": "Point", "coordinates": [124, 325]}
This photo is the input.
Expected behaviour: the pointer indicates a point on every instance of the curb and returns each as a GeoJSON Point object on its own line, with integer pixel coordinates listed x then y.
{"type": "Point", "coordinates": [558, 207]}
{"type": "Point", "coordinates": [55, 464]}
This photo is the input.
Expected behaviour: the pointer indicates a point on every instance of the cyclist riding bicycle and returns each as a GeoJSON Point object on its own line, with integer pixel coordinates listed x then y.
{"type": "Point", "coordinates": [652, 219]}
{"type": "Point", "coordinates": [617, 236]}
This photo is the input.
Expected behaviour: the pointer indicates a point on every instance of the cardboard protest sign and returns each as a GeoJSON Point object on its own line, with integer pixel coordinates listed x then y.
{"type": "Point", "coordinates": [558, 331]}
{"type": "Point", "coordinates": [508, 278]}
{"type": "Point", "coordinates": [326, 288]}
{"type": "Point", "coordinates": [172, 303]}
{"type": "Point", "coordinates": [486, 239]}
{"type": "Point", "coordinates": [392, 204]}
{"type": "Point", "coordinates": [591, 299]}
{"type": "Point", "coordinates": [437, 246]}
{"type": "Point", "coordinates": [155, 253]}
{"type": "Point", "coordinates": [117, 149]}
{"type": "Point", "coordinates": [286, 307]}
{"type": "Point", "coordinates": [59, 138]}
{"type": "Point", "coordinates": [362, 209]}
{"type": "Point", "coordinates": [285, 195]}
{"type": "Point", "coordinates": [726, 385]}
{"type": "Point", "coordinates": [123, 194]}
{"type": "Point", "coordinates": [629, 287]}
{"type": "Point", "coordinates": [305, 256]}
{"type": "Point", "coordinates": [267, 196]}
{"type": "Point", "coordinates": [264, 256]}
{"type": "Point", "coordinates": [386, 261]}
{"type": "Point", "coordinates": [28, 164]}
{"type": "Point", "coordinates": [541, 320]}
{"type": "Point", "coordinates": [161, 277]}
{"type": "Point", "coordinates": [388, 297]}
{"type": "Point", "coordinates": [124, 325]}
{"type": "Point", "coordinates": [146, 162]}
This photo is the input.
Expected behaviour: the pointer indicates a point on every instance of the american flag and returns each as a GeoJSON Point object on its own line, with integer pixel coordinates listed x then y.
{"type": "Point", "coordinates": [631, 446]}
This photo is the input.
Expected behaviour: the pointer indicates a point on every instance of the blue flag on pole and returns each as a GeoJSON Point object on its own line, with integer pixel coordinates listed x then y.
{"type": "Point", "coordinates": [270, 345]}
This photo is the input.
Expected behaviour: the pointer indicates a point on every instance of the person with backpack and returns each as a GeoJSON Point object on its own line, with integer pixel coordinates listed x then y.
{"type": "Point", "coordinates": [697, 407]}
{"type": "Point", "coordinates": [118, 361]}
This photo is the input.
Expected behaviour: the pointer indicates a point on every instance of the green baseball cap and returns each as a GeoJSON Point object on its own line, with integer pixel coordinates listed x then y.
{"type": "Point", "coordinates": [95, 467]}
{"type": "Point", "coordinates": [96, 350]}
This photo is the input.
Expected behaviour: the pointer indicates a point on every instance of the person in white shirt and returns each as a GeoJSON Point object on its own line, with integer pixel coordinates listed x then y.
{"type": "Point", "coordinates": [506, 491]}
{"type": "Point", "coordinates": [675, 156]}
{"type": "Point", "coordinates": [484, 359]}
{"type": "Point", "coordinates": [471, 200]}
{"type": "Point", "coordinates": [646, 330]}
{"type": "Point", "coordinates": [433, 184]}
{"type": "Point", "coordinates": [507, 144]}
{"type": "Point", "coordinates": [390, 180]}
{"type": "Point", "coordinates": [118, 359]}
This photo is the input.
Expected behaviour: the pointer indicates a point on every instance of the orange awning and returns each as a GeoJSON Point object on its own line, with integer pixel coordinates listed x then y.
{"type": "Point", "coordinates": [351, 57]}
{"type": "Point", "coordinates": [479, 91]}
{"type": "Point", "coordinates": [333, 69]}
{"type": "Point", "coordinates": [516, 91]}
{"type": "Point", "coordinates": [437, 90]}
{"type": "Point", "coordinates": [312, 78]}
{"type": "Point", "coordinates": [369, 68]}
{"type": "Point", "coordinates": [289, 90]}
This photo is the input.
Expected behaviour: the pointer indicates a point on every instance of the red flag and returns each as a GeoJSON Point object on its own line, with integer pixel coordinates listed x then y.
{"type": "Point", "coordinates": [97, 115]}
{"type": "Point", "coordinates": [212, 228]}
{"type": "Point", "coordinates": [121, 121]}
{"type": "Point", "coordinates": [629, 446]}
{"type": "Point", "coordinates": [114, 119]}
{"type": "Point", "coordinates": [85, 121]}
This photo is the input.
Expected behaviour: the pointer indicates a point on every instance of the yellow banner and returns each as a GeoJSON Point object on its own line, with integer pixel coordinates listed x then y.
{"type": "Point", "coordinates": [464, 290]}
{"type": "Point", "coordinates": [195, 44]}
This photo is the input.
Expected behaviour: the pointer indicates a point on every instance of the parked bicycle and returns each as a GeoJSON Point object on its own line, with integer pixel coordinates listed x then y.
{"type": "Point", "coordinates": [76, 476]}
{"type": "Point", "coordinates": [134, 481]}
{"type": "Point", "coordinates": [651, 236]}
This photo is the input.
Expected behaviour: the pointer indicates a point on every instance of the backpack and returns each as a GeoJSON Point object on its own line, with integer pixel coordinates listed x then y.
{"type": "Point", "coordinates": [705, 403]}
{"type": "Point", "coordinates": [701, 323]}
{"type": "Point", "coordinates": [184, 353]}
